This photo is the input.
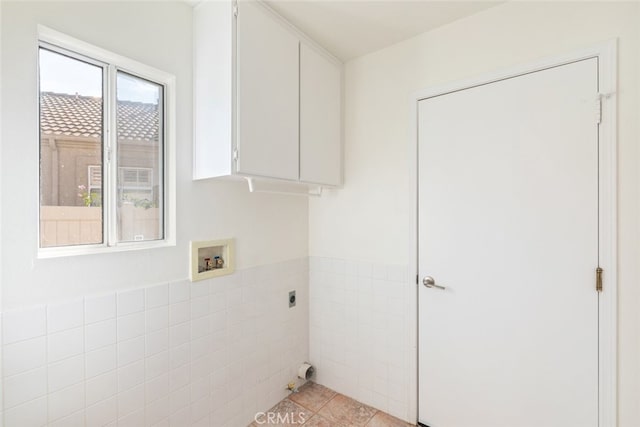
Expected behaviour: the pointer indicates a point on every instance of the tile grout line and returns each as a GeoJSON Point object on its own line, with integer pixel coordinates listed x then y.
{"type": "Point", "coordinates": [314, 413]}
{"type": "Point", "coordinates": [370, 419]}
{"type": "Point", "coordinates": [329, 400]}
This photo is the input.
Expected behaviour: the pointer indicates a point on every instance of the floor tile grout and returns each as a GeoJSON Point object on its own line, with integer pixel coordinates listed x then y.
{"type": "Point", "coordinates": [369, 420]}
{"type": "Point", "coordinates": [313, 393]}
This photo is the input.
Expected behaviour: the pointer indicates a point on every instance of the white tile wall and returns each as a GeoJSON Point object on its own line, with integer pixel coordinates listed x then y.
{"type": "Point", "coordinates": [358, 338]}
{"type": "Point", "coordinates": [65, 316]}
{"type": "Point", "coordinates": [99, 308]}
{"type": "Point", "coordinates": [62, 345]}
{"type": "Point", "coordinates": [24, 355]}
{"type": "Point", "coordinates": [210, 353]}
{"type": "Point", "coordinates": [24, 324]}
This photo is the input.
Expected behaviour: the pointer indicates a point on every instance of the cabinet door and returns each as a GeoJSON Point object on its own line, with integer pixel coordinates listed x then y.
{"type": "Point", "coordinates": [267, 95]}
{"type": "Point", "coordinates": [320, 118]}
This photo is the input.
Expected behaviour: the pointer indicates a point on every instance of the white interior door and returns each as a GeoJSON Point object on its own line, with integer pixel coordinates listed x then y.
{"type": "Point", "coordinates": [508, 224]}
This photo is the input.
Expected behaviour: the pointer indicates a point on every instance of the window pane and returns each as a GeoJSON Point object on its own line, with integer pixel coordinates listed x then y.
{"type": "Point", "coordinates": [71, 116]}
{"type": "Point", "coordinates": [140, 159]}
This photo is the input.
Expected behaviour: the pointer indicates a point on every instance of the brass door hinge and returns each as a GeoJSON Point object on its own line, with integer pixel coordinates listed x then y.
{"type": "Point", "coordinates": [598, 279]}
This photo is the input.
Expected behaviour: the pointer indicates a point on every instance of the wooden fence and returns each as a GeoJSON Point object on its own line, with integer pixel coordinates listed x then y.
{"type": "Point", "coordinates": [80, 225]}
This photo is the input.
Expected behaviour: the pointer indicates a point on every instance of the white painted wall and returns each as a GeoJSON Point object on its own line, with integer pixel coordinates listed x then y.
{"type": "Point", "coordinates": [268, 228]}
{"type": "Point", "coordinates": [1, 388]}
{"type": "Point", "coordinates": [368, 220]}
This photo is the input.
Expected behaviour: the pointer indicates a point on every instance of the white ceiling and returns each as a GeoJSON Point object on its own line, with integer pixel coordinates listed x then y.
{"type": "Point", "coordinates": [351, 28]}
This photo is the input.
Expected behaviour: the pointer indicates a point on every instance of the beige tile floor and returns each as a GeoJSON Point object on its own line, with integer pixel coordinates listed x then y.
{"type": "Point", "coordinates": [317, 406]}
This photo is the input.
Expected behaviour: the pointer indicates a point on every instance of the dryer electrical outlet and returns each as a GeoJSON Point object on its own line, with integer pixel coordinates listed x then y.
{"type": "Point", "coordinates": [292, 299]}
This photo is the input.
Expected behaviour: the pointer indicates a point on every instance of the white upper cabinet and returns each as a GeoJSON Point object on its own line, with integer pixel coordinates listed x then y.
{"type": "Point", "coordinates": [267, 101]}
{"type": "Point", "coordinates": [268, 82]}
{"type": "Point", "coordinates": [320, 118]}
{"type": "Point", "coordinates": [213, 89]}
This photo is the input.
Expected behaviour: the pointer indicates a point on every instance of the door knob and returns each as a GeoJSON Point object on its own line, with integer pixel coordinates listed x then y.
{"type": "Point", "coordinates": [430, 282]}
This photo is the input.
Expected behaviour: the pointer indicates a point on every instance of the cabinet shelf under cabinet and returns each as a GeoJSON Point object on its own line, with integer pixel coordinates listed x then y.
{"type": "Point", "coordinates": [268, 101]}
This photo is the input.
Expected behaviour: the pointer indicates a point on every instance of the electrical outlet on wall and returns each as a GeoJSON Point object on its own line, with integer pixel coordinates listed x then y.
{"type": "Point", "coordinates": [292, 299]}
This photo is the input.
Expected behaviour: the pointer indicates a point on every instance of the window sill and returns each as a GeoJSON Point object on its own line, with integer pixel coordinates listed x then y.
{"type": "Point", "coordinates": [66, 251]}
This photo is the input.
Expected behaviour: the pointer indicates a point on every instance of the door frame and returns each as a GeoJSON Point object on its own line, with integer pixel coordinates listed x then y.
{"type": "Point", "coordinates": [606, 53]}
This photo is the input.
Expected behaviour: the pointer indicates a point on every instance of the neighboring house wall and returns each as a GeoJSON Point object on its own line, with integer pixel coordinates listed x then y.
{"type": "Point", "coordinates": [65, 177]}
{"type": "Point", "coordinates": [64, 164]}
{"type": "Point", "coordinates": [71, 150]}
{"type": "Point", "coordinates": [65, 161]}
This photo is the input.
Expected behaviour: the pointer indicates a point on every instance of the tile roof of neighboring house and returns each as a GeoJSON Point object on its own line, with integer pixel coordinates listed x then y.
{"type": "Point", "coordinates": [75, 115]}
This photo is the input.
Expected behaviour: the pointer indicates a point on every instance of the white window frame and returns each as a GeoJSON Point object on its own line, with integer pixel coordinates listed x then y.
{"type": "Point", "coordinates": [111, 64]}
